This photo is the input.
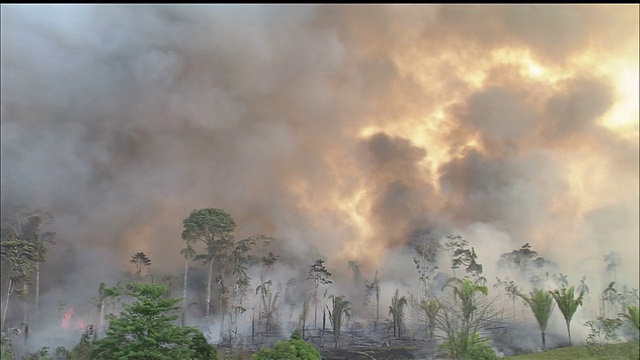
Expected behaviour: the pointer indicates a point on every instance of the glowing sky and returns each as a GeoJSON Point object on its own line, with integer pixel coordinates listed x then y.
{"type": "Point", "coordinates": [337, 129]}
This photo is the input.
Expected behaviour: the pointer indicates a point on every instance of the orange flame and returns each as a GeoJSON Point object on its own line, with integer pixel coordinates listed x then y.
{"type": "Point", "coordinates": [66, 318]}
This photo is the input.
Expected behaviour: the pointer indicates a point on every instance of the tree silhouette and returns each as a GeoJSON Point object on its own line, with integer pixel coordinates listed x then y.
{"type": "Point", "coordinates": [139, 260]}
{"type": "Point", "coordinates": [212, 227]}
{"type": "Point", "coordinates": [613, 261]}
{"type": "Point", "coordinates": [26, 223]}
{"type": "Point", "coordinates": [375, 287]}
{"type": "Point", "coordinates": [320, 276]}
{"type": "Point", "coordinates": [341, 308]}
{"type": "Point", "coordinates": [396, 310]}
{"type": "Point", "coordinates": [518, 259]}
{"type": "Point", "coordinates": [19, 259]}
{"type": "Point", "coordinates": [463, 256]}
{"type": "Point", "coordinates": [511, 289]}
{"type": "Point", "coordinates": [427, 247]}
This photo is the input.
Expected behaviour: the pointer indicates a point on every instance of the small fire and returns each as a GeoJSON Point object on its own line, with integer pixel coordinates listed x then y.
{"type": "Point", "coordinates": [66, 318]}
{"type": "Point", "coordinates": [79, 325]}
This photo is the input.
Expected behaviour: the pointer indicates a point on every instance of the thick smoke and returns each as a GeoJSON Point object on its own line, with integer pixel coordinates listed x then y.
{"type": "Point", "coordinates": [338, 130]}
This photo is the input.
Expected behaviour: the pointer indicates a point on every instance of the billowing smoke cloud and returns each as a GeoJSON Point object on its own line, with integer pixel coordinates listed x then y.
{"type": "Point", "coordinates": [338, 130]}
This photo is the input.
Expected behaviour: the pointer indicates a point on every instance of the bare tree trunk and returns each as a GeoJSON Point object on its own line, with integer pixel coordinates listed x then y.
{"type": "Point", "coordinates": [25, 316]}
{"type": "Point", "coordinates": [377, 309]}
{"type": "Point", "coordinates": [184, 290]}
{"type": "Point", "coordinates": [324, 321]}
{"type": "Point", "coordinates": [25, 303]}
{"type": "Point", "coordinates": [315, 305]}
{"type": "Point", "coordinates": [209, 289]}
{"type": "Point", "coordinates": [100, 319]}
{"type": "Point", "coordinates": [35, 320]}
{"type": "Point", "coordinates": [569, 331]}
{"type": "Point", "coordinates": [6, 305]}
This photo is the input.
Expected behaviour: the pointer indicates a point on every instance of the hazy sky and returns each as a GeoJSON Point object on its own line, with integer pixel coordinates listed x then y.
{"type": "Point", "coordinates": [338, 130]}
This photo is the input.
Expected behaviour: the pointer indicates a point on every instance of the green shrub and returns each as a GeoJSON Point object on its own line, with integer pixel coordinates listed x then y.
{"type": "Point", "coordinates": [480, 352]}
{"type": "Point", "coordinates": [203, 350]}
{"type": "Point", "coordinates": [473, 348]}
{"type": "Point", "coordinates": [292, 349]}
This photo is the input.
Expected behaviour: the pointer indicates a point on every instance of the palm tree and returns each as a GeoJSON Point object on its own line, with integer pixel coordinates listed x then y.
{"type": "Point", "coordinates": [268, 300]}
{"type": "Point", "coordinates": [583, 289]}
{"type": "Point", "coordinates": [375, 287]}
{"type": "Point", "coordinates": [560, 279]}
{"type": "Point", "coordinates": [633, 315]}
{"type": "Point", "coordinates": [609, 296]}
{"type": "Point", "coordinates": [304, 314]}
{"type": "Point", "coordinates": [466, 290]}
{"type": "Point", "coordinates": [567, 305]}
{"type": "Point", "coordinates": [396, 310]}
{"type": "Point", "coordinates": [341, 308]}
{"type": "Point", "coordinates": [462, 318]}
{"type": "Point", "coordinates": [541, 304]}
{"type": "Point", "coordinates": [613, 261]}
{"type": "Point", "coordinates": [430, 308]}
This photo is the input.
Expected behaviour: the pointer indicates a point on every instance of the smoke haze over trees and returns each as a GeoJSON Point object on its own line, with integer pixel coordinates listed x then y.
{"type": "Point", "coordinates": [339, 131]}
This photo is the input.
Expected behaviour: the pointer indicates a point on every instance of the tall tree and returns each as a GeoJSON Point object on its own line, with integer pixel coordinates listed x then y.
{"type": "Point", "coordinates": [241, 259]}
{"type": "Point", "coordinates": [567, 305]}
{"type": "Point", "coordinates": [374, 287]}
{"type": "Point", "coordinates": [511, 289]}
{"type": "Point", "coordinates": [213, 228]}
{"type": "Point", "coordinates": [320, 276]}
{"type": "Point", "coordinates": [105, 294]}
{"type": "Point", "coordinates": [341, 308]}
{"type": "Point", "coordinates": [463, 256]}
{"type": "Point", "coordinates": [355, 268]}
{"type": "Point", "coordinates": [427, 247]}
{"type": "Point", "coordinates": [26, 224]}
{"type": "Point", "coordinates": [144, 330]}
{"type": "Point", "coordinates": [188, 252]}
{"type": "Point", "coordinates": [541, 304]}
{"type": "Point", "coordinates": [396, 310]}
{"type": "Point", "coordinates": [140, 260]}
{"type": "Point", "coordinates": [19, 259]}
{"type": "Point", "coordinates": [518, 259]}
{"type": "Point", "coordinates": [302, 323]}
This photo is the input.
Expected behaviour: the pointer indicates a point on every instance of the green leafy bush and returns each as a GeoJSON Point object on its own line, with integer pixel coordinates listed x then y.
{"type": "Point", "coordinates": [292, 349]}
{"type": "Point", "coordinates": [474, 348]}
